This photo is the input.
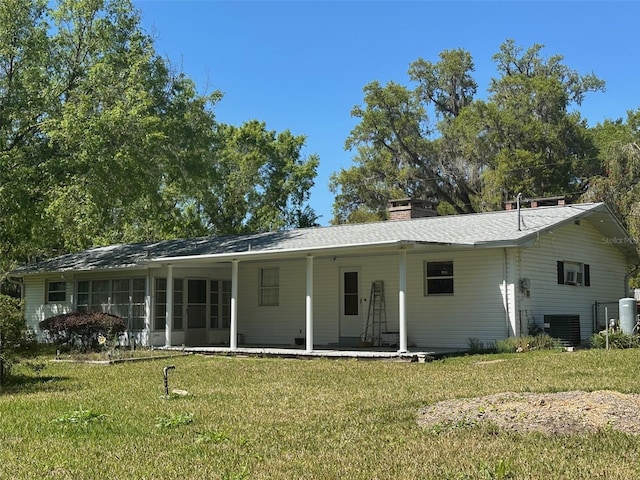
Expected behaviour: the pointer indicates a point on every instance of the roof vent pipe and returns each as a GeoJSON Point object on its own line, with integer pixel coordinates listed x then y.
{"type": "Point", "coordinates": [518, 207]}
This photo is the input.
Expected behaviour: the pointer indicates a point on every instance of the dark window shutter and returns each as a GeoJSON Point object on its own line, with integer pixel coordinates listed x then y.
{"type": "Point", "coordinates": [587, 275]}
{"type": "Point", "coordinates": [560, 266]}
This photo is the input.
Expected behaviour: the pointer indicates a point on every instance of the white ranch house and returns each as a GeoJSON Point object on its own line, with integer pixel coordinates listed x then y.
{"type": "Point", "coordinates": [445, 280]}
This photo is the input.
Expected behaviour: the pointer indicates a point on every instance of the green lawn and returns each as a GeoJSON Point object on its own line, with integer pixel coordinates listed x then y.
{"type": "Point", "coordinates": [287, 419]}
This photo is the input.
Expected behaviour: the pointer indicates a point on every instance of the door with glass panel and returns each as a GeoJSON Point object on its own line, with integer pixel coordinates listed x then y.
{"type": "Point", "coordinates": [196, 333]}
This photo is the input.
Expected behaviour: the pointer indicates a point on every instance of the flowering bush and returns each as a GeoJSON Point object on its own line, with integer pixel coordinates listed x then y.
{"type": "Point", "coordinates": [82, 328]}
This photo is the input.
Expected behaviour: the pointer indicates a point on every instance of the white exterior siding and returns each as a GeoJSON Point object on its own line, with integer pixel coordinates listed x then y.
{"type": "Point", "coordinates": [36, 307]}
{"type": "Point", "coordinates": [491, 299]}
{"type": "Point", "coordinates": [580, 243]}
{"type": "Point", "coordinates": [475, 310]}
{"type": "Point", "coordinates": [277, 325]}
{"type": "Point", "coordinates": [326, 306]}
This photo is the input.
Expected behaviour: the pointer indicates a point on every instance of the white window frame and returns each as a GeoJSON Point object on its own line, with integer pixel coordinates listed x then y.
{"type": "Point", "coordinates": [576, 274]}
{"type": "Point", "coordinates": [160, 319]}
{"type": "Point", "coordinates": [53, 291]}
{"type": "Point", "coordinates": [220, 302]}
{"type": "Point", "coordinates": [427, 278]}
{"type": "Point", "coordinates": [269, 287]}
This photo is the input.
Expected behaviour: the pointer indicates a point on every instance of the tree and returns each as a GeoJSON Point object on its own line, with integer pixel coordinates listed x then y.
{"type": "Point", "coordinates": [447, 84]}
{"type": "Point", "coordinates": [618, 183]}
{"type": "Point", "coordinates": [397, 150]}
{"type": "Point", "coordinates": [522, 139]}
{"type": "Point", "coordinates": [14, 338]}
{"type": "Point", "coordinates": [258, 181]}
{"type": "Point", "coordinates": [102, 142]}
{"type": "Point", "coordinates": [24, 106]}
{"type": "Point", "coordinates": [535, 145]}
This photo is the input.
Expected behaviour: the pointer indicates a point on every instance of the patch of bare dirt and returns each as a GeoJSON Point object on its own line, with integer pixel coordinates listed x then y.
{"type": "Point", "coordinates": [551, 413]}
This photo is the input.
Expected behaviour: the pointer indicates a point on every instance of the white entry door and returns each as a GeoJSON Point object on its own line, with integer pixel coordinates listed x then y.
{"type": "Point", "coordinates": [350, 311]}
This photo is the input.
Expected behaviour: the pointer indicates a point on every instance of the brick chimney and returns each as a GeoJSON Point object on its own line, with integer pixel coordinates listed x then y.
{"type": "Point", "coordinates": [408, 208]}
{"type": "Point", "coordinates": [538, 202]}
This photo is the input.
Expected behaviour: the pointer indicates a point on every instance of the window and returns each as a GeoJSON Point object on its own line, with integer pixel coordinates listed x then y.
{"type": "Point", "coordinates": [83, 289]}
{"type": "Point", "coordinates": [120, 298]}
{"type": "Point", "coordinates": [160, 309]}
{"type": "Point", "coordinates": [124, 297]}
{"type": "Point", "coordinates": [351, 293]}
{"type": "Point", "coordinates": [178, 302]}
{"type": "Point", "coordinates": [269, 286]}
{"type": "Point", "coordinates": [56, 292]}
{"type": "Point", "coordinates": [220, 304]}
{"type": "Point", "coordinates": [128, 301]}
{"type": "Point", "coordinates": [138, 303]}
{"type": "Point", "coordinates": [573, 273]}
{"type": "Point", "coordinates": [438, 278]}
{"type": "Point", "coordinates": [99, 299]}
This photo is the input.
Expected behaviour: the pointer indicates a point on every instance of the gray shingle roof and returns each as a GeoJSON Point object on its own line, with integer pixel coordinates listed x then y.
{"type": "Point", "coordinates": [492, 229]}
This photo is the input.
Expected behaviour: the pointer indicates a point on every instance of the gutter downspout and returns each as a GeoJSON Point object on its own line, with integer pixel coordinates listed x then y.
{"type": "Point", "coordinates": [19, 281]}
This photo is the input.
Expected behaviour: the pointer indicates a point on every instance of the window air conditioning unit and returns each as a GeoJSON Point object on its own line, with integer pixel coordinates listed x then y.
{"type": "Point", "coordinates": [571, 278]}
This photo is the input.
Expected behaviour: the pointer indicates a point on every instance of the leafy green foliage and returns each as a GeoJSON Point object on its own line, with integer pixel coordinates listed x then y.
{"type": "Point", "coordinates": [212, 437]}
{"type": "Point", "coordinates": [540, 341]}
{"type": "Point", "coordinates": [618, 183]}
{"type": "Point", "coordinates": [535, 145]}
{"type": "Point", "coordinates": [476, 153]}
{"type": "Point", "coordinates": [499, 471]}
{"type": "Point", "coordinates": [174, 420]}
{"type": "Point", "coordinates": [617, 339]}
{"type": "Point", "coordinates": [82, 328]}
{"type": "Point", "coordinates": [258, 182]}
{"type": "Point", "coordinates": [81, 417]}
{"type": "Point", "coordinates": [102, 142]}
{"type": "Point", "coordinates": [15, 338]}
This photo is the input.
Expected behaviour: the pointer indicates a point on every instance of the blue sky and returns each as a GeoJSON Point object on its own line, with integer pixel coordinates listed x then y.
{"type": "Point", "coordinates": [301, 65]}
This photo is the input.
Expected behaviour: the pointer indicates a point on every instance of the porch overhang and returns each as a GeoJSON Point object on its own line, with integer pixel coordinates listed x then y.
{"type": "Point", "coordinates": [319, 252]}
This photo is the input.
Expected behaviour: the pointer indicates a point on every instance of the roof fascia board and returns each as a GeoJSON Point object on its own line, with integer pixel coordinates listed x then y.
{"type": "Point", "coordinates": [264, 254]}
{"type": "Point", "coordinates": [47, 273]}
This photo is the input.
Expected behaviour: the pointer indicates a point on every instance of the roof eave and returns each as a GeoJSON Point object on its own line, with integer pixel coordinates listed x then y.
{"type": "Point", "coordinates": [59, 271]}
{"type": "Point", "coordinates": [304, 251]}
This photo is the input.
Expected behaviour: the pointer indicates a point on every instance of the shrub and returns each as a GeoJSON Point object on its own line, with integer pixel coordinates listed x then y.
{"type": "Point", "coordinates": [82, 328]}
{"type": "Point", "coordinates": [617, 339]}
{"type": "Point", "coordinates": [542, 341]}
{"type": "Point", "coordinates": [475, 345]}
{"type": "Point", "coordinates": [15, 337]}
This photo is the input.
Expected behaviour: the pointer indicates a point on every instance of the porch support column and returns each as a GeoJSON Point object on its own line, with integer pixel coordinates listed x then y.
{"type": "Point", "coordinates": [309, 304]}
{"type": "Point", "coordinates": [233, 328]}
{"type": "Point", "coordinates": [402, 301]}
{"type": "Point", "coordinates": [168, 325]}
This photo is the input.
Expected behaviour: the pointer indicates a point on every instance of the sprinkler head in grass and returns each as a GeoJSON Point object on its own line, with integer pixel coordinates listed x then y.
{"type": "Point", "coordinates": [165, 373]}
